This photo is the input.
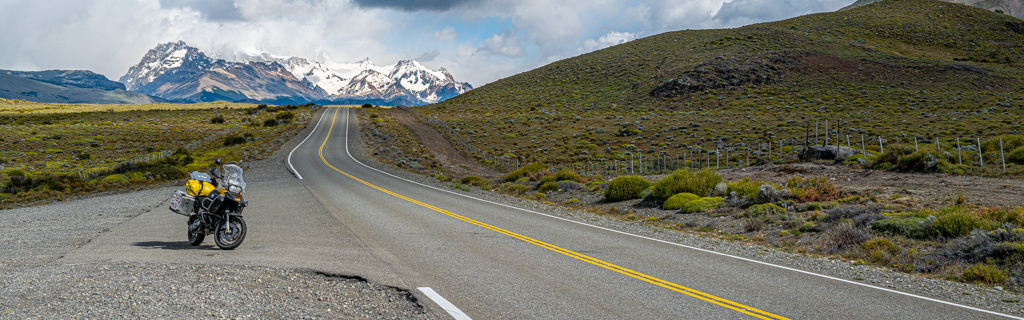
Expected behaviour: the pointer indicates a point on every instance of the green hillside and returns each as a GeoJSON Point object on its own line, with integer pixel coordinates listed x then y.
{"type": "Point", "coordinates": [894, 68]}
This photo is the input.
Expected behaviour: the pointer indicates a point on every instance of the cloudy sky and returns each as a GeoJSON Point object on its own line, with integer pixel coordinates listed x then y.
{"type": "Point", "coordinates": [478, 41]}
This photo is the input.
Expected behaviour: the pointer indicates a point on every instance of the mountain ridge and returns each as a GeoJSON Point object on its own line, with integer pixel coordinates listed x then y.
{"type": "Point", "coordinates": [67, 86]}
{"type": "Point", "coordinates": [179, 72]}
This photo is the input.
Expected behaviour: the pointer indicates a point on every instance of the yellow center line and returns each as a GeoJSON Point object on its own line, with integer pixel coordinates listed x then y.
{"type": "Point", "coordinates": [646, 278]}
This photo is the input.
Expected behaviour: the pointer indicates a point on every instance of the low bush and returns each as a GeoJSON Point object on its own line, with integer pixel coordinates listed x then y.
{"type": "Point", "coordinates": [516, 189]}
{"type": "Point", "coordinates": [908, 227]}
{"type": "Point", "coordinates": [843, 236]}
{"type": "Point", "coordinates": [548, 187]}
{"type": "Point", "coordinates": [625, 188]}
{"type": "Point", "coordinates": [567, 175]}
{"type": "Point", "coordinates": [233, 140]}
{"type": "Point", "coordinates": [217, 119]}
{"type": "Point", "coordinates": [813, 189]}
{"type": "Point", "coordinates": [525, 170]}
{"type": "Point", "coordinates": [861, 216]}
{"type": "Point", "coordinates": [269, 122]}
{"type": "Point", "coordinates": [984, 274]}
{"type": "Point", "coordinates": [1016, 156]}
{"type": "Point", "coordinates": [881, 250]}
{"type": "Point", "coordinates": [702, 205]}
{"type": "Point", "coordinates": [545, 179]}
{"type": "Point", "coordinates": [956, 221]}
{"type": "Point", "coordinates": [472, 180]}
{"type": "Point", "coordinates": [745, 188]}
{"type": "Point", "coordinates": [700, 183]}
{"type": "Point", "coordinates": [767, 209]}
{"type": "Point", "coordinates": [676, 202]}
{"type": "Point", "coordinates": [769, 193]}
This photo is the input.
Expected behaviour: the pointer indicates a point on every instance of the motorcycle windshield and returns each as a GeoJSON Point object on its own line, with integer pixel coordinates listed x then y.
{"type": "Point", "coordinates": [233, 176]}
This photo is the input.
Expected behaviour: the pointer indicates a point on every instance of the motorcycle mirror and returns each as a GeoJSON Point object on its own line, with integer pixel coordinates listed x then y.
{"type": "Point", "coordinates": [217, 161]}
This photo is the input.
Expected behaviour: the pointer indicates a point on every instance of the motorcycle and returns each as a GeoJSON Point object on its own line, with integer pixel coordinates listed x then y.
{"type": "Point", "coordinates": [213, 203]}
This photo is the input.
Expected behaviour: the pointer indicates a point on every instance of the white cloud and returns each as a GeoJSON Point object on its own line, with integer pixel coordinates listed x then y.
{"type": "Point", "coordinates": [108, 36]}
{"type": "Point", "coordinates": [447, 35]}
{"type": "Point", "coordinates": [505, 43]}
{"type": "Point", "coordinates": [608, 40]}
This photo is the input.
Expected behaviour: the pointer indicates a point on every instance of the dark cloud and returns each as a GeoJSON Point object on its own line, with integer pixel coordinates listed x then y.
{"type": "Point", "coordinates": [412, 5]}
{"type": "Point", "coordinates": [212, 10]}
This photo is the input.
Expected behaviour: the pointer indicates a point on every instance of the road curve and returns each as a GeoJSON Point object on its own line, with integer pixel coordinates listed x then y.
{"type": "Point", "coordinates": [493, 261]}
{"type": "Point", "coordinates": [499, 262]}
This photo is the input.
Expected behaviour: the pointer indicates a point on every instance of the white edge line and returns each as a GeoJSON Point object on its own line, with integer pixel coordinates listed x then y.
{"type": "Point", "coordinates": [297, 175]}
{"type": "Point", "coordinates": [679, 244]}
{"type": "Point", "coordinates": [447, 306]}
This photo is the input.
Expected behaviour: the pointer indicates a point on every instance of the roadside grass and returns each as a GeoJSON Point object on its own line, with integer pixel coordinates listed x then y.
{"type": "Point", "coordinates": [52, 151]}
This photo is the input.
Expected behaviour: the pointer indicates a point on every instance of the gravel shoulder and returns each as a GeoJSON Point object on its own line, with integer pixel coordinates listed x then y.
{"type": "Point", "coordinates": [35, 282]}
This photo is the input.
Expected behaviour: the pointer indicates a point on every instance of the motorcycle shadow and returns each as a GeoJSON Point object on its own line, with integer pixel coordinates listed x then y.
{"type": "Point", "coordinates": [172, 245]}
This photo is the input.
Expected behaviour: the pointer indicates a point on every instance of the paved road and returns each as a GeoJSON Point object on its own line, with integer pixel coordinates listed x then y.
{"type": "Point", "coordinates": [492, 261]}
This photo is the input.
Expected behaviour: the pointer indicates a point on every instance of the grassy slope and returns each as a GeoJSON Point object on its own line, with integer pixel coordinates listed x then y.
{"type": "Point", "coordinates": [14, 87]}
{"type": "Point", "coordinates": [889, 68]}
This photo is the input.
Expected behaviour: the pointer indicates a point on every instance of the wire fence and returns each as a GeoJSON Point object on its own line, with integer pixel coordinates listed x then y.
{"type": "Point", "coordinates": [974, 152]}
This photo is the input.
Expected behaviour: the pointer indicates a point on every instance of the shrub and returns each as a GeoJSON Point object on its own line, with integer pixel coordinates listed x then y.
{"type": "Point", "coordinates": [83, 156]}
{"type": "Point", "coordinates": [217, 119]}
{"type": "Point", "coordinates": [233, 140]}
{"type": "Point", "coordinates": [813, 189]}
{"type": "Point", "coordinates": [956, 221]}
{"type": "Point", "coordinates": [525, 170]}
{"type": "Point", "coordinates": [881, 250]}
{"type": "Point", "coordinates": [625, 188]}
{"type": "Point", "coordinates": [843, 236]}
{"type": "Point", "coordinates": [767, 209]}
{"type": "Point", "coordinates": [768, 193]}
{"type": "Point", "coordinates": [285, 116]}
{"type": "Point", "coordinates": [985, 274]}
{"type": "Point", "coordinates": [702, 205]}
{"type": "Point", "coordinates": [1016, 156]}
{"type": "Point", "coordinates": [862, 216]}
{"type": "Point", "coordinates": [909, 227]}
{"type": "Point", "coordinates": [676, 202]}
{"type": "Point", "coordinates": [472, 180]}
{"type": "Point", "coordinates": [1010, 142]}
{"type": "Point", "coordinates": [517, 189]}
{"type": "Point", "coordinates": [700, 183]}
{"type": "Point", "coordinates": [745, 188]}
{"type": "Point", "coordinates": [367, 105]}
{"type": "Point", "coordinates": [545, 179]}
{"type": "Point", "coordinates": [567, 175]}
{"type": "Point", "coordinates": [269, 122]}
{"type": "Point", "coordinates": [548, 187]}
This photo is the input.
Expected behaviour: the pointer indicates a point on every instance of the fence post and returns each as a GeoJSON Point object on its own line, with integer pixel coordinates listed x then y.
{"type": "Point", "coordinates": [1001, 153]}
{"type": "Point", "coordinates": [748, 156]}
{"type": "Point", "coordinates": [881, 149]}
{"type": "Point", "coordinates": [981, 157]}
{"type": "Point", "coordinates": [863, 147]}
{"type": "Point", "coordinates": [718, 159]}
{"type": "Point", "coordinates": [959, 159]}
{"type": "Point", "coordinates": [915, 144]}
{"type": "Point", "coordinates": [815, 132]}
{"type": "Point", "coordinates": [769, 151]}
{"type": "Point", "coordinates": [826, 141]}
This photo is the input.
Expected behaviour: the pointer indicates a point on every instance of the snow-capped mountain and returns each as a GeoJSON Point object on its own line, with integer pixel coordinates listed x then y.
{"type": "Point", "coordinates": [406, 82]}
{"type": "Point", "coordinates": [175, 71]}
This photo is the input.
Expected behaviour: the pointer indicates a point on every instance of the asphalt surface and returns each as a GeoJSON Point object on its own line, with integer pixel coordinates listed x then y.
{"type": "Point", "coordinates": [490, 261]}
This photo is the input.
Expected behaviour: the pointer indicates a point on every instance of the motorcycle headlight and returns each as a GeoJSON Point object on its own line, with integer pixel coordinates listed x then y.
{"type": "Point", "coordinates": [234, 189]}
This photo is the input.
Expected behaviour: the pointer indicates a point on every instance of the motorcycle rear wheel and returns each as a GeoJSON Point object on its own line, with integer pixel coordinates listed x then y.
{"type": "Point", "coordinates": [194, 238]}
{"type": "Point", "coordinates": [229, 239]}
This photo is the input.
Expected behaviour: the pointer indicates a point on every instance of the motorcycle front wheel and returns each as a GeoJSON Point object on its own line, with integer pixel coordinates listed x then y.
{"type": "Point", "coordinates": [194, 238]}
{"type": "Point", "coordinates": [231, 235]}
